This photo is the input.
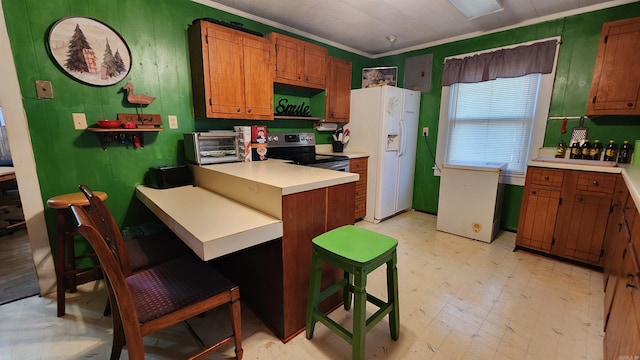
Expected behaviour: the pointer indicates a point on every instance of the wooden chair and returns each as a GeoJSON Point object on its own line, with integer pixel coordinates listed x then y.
{"type": "Point", "coordinates": [160, 296]}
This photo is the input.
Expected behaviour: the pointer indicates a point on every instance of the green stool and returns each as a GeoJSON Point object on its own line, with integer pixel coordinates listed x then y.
{"type": "Point", "coordinates": [358, 252]}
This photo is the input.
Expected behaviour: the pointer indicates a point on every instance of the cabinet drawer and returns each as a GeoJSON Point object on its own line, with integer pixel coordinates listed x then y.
{"type": "Point", "coordinates": [546, 177]}
{"type": "Point", "coordinates": [361, 191]}
{"type": "Point", "coordinates": [599, 183]}
{"type": "Point", "coordinates": [358, 165]}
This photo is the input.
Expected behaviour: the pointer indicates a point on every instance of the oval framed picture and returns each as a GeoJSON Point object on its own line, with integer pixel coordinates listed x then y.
{"type": "Point", "coordinates": [89, 51]}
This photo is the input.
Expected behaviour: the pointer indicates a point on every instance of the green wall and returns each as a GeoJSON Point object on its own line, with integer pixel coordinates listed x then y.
{"type": "Point", "coordinates": [156, 33]}
{"type": "Point", "coordinates": [580, 36]}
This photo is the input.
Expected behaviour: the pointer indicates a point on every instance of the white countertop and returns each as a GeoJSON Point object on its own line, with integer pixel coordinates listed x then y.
{"type": "Point", "coordinates": [210, 224]}
{"type": "Point", "coordinates": [235, 205]}
{"type": "Point", "coordinates": [327, 149]}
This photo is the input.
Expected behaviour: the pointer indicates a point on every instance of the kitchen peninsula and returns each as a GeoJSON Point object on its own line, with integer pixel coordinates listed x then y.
{"type": "Point", "coordinates": [255, 222]}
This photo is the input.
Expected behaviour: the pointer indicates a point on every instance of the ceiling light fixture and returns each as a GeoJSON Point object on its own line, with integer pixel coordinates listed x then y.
{"type": "Point", "coordinates": [475, 8]}
{"type": "Point", "coordinates": [392, 38]}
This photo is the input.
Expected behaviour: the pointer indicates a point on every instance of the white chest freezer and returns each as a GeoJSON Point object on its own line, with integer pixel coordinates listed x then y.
{"type": "Point", "coordinates": [470, 200]}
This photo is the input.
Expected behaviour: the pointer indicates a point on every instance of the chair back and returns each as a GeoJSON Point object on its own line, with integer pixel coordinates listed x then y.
{"type": "Point", "coordinates": [106, 225]}
{"type": "Point", "coordinates": [119, 293]}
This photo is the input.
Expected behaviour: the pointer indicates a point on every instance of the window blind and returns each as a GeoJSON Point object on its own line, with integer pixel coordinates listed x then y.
{"type": "Point", "coordinates": [492, 121]}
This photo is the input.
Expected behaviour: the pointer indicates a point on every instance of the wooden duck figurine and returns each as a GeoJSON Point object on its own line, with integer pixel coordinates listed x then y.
{"type": "Point", "coordinates": [138, 99]}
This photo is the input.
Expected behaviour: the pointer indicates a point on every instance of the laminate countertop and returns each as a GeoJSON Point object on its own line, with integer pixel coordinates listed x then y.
{"type": "Point", "coordinates": [236, 205]}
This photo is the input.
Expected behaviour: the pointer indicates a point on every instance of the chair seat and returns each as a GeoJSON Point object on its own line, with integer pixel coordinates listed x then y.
{"type": "Point", "coordinates": [173, 285]}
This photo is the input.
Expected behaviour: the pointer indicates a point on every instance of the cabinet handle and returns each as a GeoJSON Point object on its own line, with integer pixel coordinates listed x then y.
{"type": "Point", "coordinates": [595, 183]}
{"type": "Point", "coordinates": [533, 192]}
{"type": "Point", "coordinates": [249, 111]}
{"type": "Point", "coordinates": [238, 110]}
{"type": "Point", "coordinates": [630, 281]}
{"type": "Point", "coordinates": [546, 178]}
{"type": "Point", "coordinates": [580, 198]}
{"type": "Point", "coordinates": [629, 104]}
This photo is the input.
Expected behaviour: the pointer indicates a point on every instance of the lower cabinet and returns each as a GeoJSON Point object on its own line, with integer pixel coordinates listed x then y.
{"type": "Point", "coordinates": [565, 213]}
{"type": "Point", "coordinates": [274, 277]}
{"type": "Point", "coordinates": [359, 166]}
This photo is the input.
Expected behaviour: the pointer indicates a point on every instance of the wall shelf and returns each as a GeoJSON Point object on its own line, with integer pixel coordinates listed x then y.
{"type": "Point", "coordinates": [134, 137]}
{"type": "Point", "coordinates": [287, 117]}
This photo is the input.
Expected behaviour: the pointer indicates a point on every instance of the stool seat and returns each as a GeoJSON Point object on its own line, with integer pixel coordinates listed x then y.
{"type": "Point", "coordinates": [357, 252]}
{"type": "Point", "coordinates": [67, 276]}
{"type": "Point", "coordinates": [77, 198]}
{"type": "Point", "coordinates": [355, 244]}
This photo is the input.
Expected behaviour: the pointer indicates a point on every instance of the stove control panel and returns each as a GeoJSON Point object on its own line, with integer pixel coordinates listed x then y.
{"type": "Point", "coordinates": [291, 139]}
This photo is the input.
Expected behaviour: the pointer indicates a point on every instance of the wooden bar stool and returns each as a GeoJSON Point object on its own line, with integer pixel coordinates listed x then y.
{"type": "Point", "coordinates": [67, 276]}
{"type": "Point", "coordinates": [357, 251]}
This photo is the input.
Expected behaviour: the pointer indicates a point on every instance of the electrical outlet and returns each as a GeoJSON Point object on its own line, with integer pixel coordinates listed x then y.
{"type": "Point", "coordinates": [173, 122]}
{"type": "Point", "coordinates": [425, 131]}
{"type": "Point", "coordinates": [79, 121]}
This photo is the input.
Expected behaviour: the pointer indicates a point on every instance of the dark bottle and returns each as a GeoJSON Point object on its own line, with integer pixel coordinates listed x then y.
{"type": "Point", "coordinates": [596, 150]}
{"type": "Point", "coordinates": [561, 149]}
{"type": "Point", "coordinates": [585, 149]}
{"type": "Point", "coordinates": [575, 151]}
{"type": "Point", "coordinates": [624, 156]}
{"type": "Point", "coordinates": [610, 152]}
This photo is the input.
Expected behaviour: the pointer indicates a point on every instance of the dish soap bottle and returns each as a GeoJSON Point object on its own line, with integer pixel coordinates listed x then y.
{"type": "Point", "coordinates": [561, 149]}
{"type": "Point", "coordinates": [585, 149]}
{"type": "Point", "coordinates": [610, 152]}
{"type": "Point", "coordinates": [575, 151]}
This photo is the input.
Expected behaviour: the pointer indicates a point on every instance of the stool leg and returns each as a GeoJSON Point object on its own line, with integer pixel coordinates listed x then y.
{"type": "Point", "coordinates": [359, 314]}
{"type": "Point", "coordinates": [60, 262]}
{"type": "Point", "coordinates": [314, 293]}
{"type": "Point", "coordinates": [346, 292]}
{"type": "Point", "coordinates": [392, 291]}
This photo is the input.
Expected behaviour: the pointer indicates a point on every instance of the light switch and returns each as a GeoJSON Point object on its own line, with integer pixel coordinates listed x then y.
{"type": "Point", "coordinates": [79, 121]}
{"type": "Point", "coordinates": [44, 90]}
{"type": "Point", "coordinates": [173, 122]}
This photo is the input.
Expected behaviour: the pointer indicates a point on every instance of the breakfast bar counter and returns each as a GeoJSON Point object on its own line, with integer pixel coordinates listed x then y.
{"type": "Point", "coordinates": [255, 221]}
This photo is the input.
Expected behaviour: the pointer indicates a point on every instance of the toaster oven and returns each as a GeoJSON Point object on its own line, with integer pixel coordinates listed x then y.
{"type": "Point", "coordinates": [212, 147]}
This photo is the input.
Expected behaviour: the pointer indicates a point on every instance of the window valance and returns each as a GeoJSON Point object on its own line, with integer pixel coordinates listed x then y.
{"type": "Point", "coordinates": [505, 63]}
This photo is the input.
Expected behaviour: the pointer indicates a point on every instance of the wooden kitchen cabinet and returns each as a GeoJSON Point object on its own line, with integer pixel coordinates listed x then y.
{"type": "Point", "coordinates": [359, 166]}
{"type": "Point", "coordinates": [274, 276]}
{"type": "Point", "coordinates": [231, 71]}
{"type": "Point", "coordinates": [298, 62]}
{"type": "Point", "coordinates": [565, 213]}
{"type": "Point", "coordinates": [338, 96]}
{"type": "Point", "coordinates": [615, 88]}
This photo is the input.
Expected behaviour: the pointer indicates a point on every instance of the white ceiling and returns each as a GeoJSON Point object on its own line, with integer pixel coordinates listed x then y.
{"type": "Point", "coordinates": [362, 26]}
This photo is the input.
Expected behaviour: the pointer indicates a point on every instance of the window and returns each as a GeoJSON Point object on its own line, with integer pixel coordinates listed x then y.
{"type": "Point", "coordinates": [491, 121]}
{"type": "Point", "coordinates": [501, 120]}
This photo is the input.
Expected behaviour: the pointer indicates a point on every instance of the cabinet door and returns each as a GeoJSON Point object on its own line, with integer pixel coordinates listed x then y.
{"type": "Point", "coordinates": [258, 79]}
{"type": "Point", "coordinates": [289, 59]}
{"type": "Point", "coordinates": [359, 166]}
{"type": "Point", "coordinates": [585, 233]}
{"type": "Point", "coordinates": [225, 72]}
{"type": "Point", "coordinates": [338, 100]}
{"type": "Point", "coordinates": [616, 79]}
{"type": "Point", "coordinates": [315, 66]}
{"type": "Point", "coordinates": [539, 219]}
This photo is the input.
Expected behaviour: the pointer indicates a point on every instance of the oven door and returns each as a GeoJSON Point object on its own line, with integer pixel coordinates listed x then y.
{"type": "Point", "coordinates": [339, 165]}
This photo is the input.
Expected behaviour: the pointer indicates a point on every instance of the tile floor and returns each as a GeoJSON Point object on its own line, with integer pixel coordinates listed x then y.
{"type": "Point", "coordinates": [460, 299]}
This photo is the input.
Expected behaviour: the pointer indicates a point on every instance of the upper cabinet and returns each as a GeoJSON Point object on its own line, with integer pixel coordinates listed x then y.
{"type": "Point", "coordinates": [298, 62]}
{"type": "Point", "coordinates": [338, 96]}
{"type": "Point", "coordinates": [231, 73]}
{"type": "Point", "coordinates": [615, 89]}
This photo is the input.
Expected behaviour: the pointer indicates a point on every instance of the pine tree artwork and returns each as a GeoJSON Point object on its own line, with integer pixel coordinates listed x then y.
{"type": "Point", "coordinates": [84, 49]}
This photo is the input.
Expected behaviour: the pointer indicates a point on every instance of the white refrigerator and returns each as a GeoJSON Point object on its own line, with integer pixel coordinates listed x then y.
{"type": "Point", "coordinates": [384, 124]}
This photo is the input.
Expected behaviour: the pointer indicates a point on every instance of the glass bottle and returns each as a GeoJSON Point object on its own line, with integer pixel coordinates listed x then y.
{"type": "Point", "coordinates": [585, 149]}
{"type": "Point", "coordinates": [610, 151]}
{"type": "Point", "coordinates": [561, 149]}
{"type": "Point", "coordinates": [575, 151]}
{"type": "Point", "coordinates": [596, 150]}
{"type": "Point", "coordinates": [624, 156]}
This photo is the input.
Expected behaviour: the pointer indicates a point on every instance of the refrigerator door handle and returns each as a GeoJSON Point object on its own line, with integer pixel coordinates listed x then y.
{"type": "Point", "coordinates": [403, 141]}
